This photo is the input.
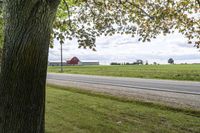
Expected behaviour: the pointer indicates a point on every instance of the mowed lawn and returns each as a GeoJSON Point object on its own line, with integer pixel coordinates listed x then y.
{"type": "Point", "coordinates": [72, 111]}
{"type": "Point", "coordinates": [176, 72]}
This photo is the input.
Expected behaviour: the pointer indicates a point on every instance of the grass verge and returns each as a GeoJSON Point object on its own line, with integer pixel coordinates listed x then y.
{"type": "Point", "coordinates": [72, 110]}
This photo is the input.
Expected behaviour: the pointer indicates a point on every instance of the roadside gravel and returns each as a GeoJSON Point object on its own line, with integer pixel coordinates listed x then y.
{"type": "Point", "coordinates": [167, 98]}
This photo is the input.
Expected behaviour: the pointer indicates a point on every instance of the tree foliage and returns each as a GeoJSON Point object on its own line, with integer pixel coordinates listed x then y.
{"type": "Point", "coordinates": [171, 61]}
{"type": "Point", "coordinates": [87, 19]}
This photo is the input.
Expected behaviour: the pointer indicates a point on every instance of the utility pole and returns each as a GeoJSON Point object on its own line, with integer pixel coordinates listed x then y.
{"type": "Point", "coordinates": [61, 51]}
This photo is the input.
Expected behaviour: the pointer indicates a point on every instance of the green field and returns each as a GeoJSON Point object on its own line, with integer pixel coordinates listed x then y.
{"type": "Point", "coordinates": [75, 111]}
{"type": "Point", "coordinates": [176, 72]}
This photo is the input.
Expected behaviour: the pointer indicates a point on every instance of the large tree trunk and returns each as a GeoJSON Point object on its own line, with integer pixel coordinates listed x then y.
{"type": "Point", "coordinates": [24, 65]}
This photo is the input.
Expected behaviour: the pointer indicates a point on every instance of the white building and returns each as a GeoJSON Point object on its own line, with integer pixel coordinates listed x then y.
{"type": "Point", "coordinates": [88, 63]}
{"type": "Point", "coordinates": [56, 63]}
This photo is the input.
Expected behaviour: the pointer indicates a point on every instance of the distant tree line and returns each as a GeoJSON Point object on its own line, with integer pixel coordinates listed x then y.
{"type": "Point", "coordinates": [138, 62]}
{"type": "Point", "coordinates": [115, 63]}
{"type": "Point", "coordinates": [141, 62]}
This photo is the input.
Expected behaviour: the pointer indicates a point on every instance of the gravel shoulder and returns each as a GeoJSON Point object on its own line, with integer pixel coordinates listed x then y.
{"type": "Point", "coordinates": [167, 98]}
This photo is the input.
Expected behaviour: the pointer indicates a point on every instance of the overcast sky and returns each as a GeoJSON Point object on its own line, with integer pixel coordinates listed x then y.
{"type": "Point", "coordinates": [124, 48]}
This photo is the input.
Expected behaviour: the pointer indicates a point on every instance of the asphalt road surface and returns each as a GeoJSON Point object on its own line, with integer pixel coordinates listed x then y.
{"type": "Point", "coordinates": [181, 92]}
{"type": "Point", "coordinates": [185, 87]}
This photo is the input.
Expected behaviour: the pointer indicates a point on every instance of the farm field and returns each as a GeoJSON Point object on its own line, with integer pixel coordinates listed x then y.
{"type": "Point", "coordinates": [174, 72]}
{"type": "Point", "coordinates": [75, 111]}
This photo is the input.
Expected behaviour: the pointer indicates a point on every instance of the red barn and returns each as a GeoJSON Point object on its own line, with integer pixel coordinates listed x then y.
{"type": "Point", "coordinates": [73, 61]}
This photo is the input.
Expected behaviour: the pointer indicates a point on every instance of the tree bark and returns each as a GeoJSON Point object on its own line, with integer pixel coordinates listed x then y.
{"type": "Point", "coordinates": [24, 64]}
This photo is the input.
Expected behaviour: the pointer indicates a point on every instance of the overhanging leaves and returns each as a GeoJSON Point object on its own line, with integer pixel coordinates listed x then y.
{"type": "Point", "coordinates": [87, 19]}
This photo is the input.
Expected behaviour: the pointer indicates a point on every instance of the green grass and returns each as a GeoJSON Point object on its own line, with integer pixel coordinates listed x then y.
{"type": "Point", "coordinates": [74, 111]}
{"type": "Point", "coordinates": [175, 72]}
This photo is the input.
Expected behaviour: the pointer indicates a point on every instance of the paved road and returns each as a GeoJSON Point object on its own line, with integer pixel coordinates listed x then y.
{"type": "Point", "coordinates": [172, 93]}
{"type": "Point", "coordinates": [181, 87]}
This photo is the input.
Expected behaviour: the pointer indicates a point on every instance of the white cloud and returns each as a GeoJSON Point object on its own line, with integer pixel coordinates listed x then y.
{"type": "Point", "coordinates": [123, 48]}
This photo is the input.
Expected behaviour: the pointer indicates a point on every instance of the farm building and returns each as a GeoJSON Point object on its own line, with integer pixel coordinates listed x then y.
{"type": "Point", "coordinates": [73, 61]}
{"type": "Point", "coordinates": [76, 61]}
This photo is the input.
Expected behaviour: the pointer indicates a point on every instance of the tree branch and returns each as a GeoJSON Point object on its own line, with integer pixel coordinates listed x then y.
{"type": "Point", "coordinates": [54, 3]}
{"type": "Point", "coordinates": [138, 7]}
{"type": "Point", "coordinates": [198, 1]}
{"type": "Point", "coordinates": [68, 12]}
{"type": "Point", "coordinates": [1, 3]}
{"type": "Point", "coordinates": [94, 15]}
